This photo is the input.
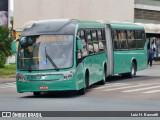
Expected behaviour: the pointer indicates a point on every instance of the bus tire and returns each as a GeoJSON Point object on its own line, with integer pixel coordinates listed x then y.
{"type": "Point", "coordinates": [87, 79]}
{"type": "Point", "coordinates": [36, 93]}
{"type": "Point", "coordinates": [133, 70]}
{"type": "Point", "coordinates": [86, 84]}
{"type": "Point", "coordinates": [82, 91]}
{"type": "Point", "coordinates": [103, 81]}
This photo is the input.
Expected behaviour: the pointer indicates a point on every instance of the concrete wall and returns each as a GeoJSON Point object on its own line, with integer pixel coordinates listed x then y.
{"type": "Point", "coordinates": [30, 10]}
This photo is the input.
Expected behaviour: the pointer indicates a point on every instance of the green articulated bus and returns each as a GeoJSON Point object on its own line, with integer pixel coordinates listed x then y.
{"type": "Point", "coordinates": [61, 55]}
{"type": "Point", "coordinates": [58, 55]}
{"type": "Point", "coordinates": [126, 47]}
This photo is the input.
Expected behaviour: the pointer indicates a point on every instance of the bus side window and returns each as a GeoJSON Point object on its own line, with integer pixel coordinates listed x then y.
{"type": "Point", "coordinates": [123, 39]}
{"type": "Point", "coordinates": [131, 40]}
{"type": "Point", "coordinates": [101, 47]}
{"type": "Point", "coordinates": [95, 41]}
{"type": "Point", "coordinates": [116, 37]}
{"type": "Point", "coordinates": [101, 40]}
{"type": "Point", "coordinates": [79, 53]}
{"type": "Point", "coordinates": [89, 41]}
{"type": "Point", "coordinates": [143, 38]}
{"type": "Point", "coordinates": [81, 35]}
{"type": "Point", "coordinates": [139, 39]}
{"type": "Point", "coordinates": [104, 40]}
{"type": "Point", "coordinates": [84, 43]}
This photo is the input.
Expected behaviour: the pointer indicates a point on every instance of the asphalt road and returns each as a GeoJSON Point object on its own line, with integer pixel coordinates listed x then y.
{"type": "Point", "coordinates": [141, 93]}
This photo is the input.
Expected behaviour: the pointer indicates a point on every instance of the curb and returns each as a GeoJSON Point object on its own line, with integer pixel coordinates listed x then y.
{"type": "Point", "coordinates": [156, 62]}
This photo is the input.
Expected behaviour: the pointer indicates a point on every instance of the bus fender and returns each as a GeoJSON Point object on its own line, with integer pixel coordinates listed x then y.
{"type": "Point", "coordinates": [86, 72]}
{"type": "Point", "coordinates": [133, 60]}
{"type": "Point", "coordinates": [104, 65]}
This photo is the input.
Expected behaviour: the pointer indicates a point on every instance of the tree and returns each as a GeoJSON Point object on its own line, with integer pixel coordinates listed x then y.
{"type": "Point", "coordinates": [5, 44]}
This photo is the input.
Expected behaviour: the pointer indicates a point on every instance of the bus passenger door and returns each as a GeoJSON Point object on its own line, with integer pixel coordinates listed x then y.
{"type": "Point", "coordinates": [109, 49]}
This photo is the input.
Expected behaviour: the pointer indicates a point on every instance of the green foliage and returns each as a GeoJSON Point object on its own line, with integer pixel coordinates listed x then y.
{"type": "Point", "coordinates": [5, 44]}
{"type": "Point", "coordinates": [8, 71]}
{"type": "Point", "coordinates": [2, 59]}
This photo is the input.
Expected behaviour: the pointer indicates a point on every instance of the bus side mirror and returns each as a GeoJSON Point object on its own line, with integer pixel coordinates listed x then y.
{"type": "Point", "coordinates": [14, 46]}
{"type": "Point", "coordinates": [79, 44]}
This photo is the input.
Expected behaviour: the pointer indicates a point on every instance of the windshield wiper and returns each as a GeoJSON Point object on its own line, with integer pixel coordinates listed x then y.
{"type": "Point", "coordinates": [52, 62]}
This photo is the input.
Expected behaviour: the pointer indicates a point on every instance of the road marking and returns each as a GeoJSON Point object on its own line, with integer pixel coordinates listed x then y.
{"type": "Point", "coordinates": [111, 85]}
{"type": "Point", "coordinates": [7, 83]}
{"type": "Point", "coordinates": [152, 91]}
{"type": "Point", "coordinates": [131, 86]}
{"type": "Point", "coordinates": [141, 89]}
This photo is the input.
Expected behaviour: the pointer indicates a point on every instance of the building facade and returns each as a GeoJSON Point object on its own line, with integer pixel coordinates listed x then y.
{"type": "Point", "coordinates": [147, 11]}
{"type": "Point", "coordinates": [138, 11]}
{"type": "Point", "coordinates": [31, 10]}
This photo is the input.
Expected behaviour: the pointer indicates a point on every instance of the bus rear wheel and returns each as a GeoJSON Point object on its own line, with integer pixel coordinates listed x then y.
{"type": "Point", "coordinates": [103, 81]}
{"type": "Point", "coordinates": [133, 71]}
{"type": "Point", "coordinates": [36, 93]}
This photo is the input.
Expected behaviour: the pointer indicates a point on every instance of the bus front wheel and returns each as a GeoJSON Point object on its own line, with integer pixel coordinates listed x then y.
{"type": "Point", "coordinates": [36, 93]}
{"type": "Point", "coordinates": [82, 91]}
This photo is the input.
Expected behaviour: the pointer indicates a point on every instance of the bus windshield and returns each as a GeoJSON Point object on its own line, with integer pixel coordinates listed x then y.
{"type": "Point", "coordinates": [45, 52]}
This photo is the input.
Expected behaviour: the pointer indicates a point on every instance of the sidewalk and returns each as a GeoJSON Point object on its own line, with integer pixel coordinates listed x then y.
{"type": "Point", "coordinates": [5, 80]}
{"type": "Point", "coordinates": [156, 62]}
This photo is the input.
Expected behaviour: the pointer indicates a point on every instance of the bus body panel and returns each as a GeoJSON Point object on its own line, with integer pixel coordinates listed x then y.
{"type": "Point", "coordinates": [95, 65]}
{"type": "Point", "coordinates": [80, 71]}
{"type": "Point", "coordinates": [123, 60]}
{"type": "Point", "coordinates": [119, 60]}
{"type": "Point", "coordinates": [51, 80]}
{"type": "Point", "coordinates": [110, 53]}
{"type": "Point", "coordinates": [41, 86]}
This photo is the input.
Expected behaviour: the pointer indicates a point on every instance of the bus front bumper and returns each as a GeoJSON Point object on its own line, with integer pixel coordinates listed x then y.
{"type": "Point", "coordinates": [44, 86]}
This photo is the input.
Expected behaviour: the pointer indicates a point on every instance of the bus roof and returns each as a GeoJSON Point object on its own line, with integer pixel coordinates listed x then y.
{"type": "Point", "coordinates": [125, 25]}
{"type": "Point", "coordinates": [57, 26]}
{"type": "Point", "coordinates": [90, 24]}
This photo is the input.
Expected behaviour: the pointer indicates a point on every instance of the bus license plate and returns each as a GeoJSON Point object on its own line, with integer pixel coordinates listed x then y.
{"type": "Point", "coordinates": [43, 87]}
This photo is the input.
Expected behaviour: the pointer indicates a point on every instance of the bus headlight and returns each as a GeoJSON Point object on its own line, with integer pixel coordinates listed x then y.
{"type": "Point", "coordinates": [20, 77]}
{"type": "Point", "coordinates": [68, 76]}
